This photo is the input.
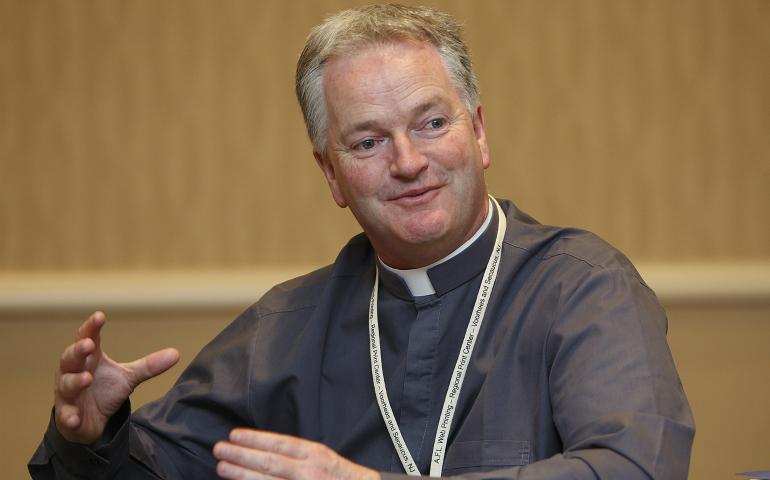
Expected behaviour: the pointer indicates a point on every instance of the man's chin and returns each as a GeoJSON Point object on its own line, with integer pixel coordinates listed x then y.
{"type": "Point", "coordinates": [433, 242]}
{"type": "Point", "coordinates": [424, 230]}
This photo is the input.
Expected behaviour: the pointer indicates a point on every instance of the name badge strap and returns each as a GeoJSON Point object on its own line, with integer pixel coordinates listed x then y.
{"type": "Point", "coordinates": [379, 385]}
{"type": "Point", "coordinates": [458, 376]}
{"type": "Point", "coordinates": [463, 359]}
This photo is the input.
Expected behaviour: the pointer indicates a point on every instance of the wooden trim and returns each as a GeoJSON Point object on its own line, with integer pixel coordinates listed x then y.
{"type": "Point", "coordinates": [153, 289]}
{"type": "Point", "coordinates": [708, 282]}
{"type": "Point", "coordinates": [673, 283]}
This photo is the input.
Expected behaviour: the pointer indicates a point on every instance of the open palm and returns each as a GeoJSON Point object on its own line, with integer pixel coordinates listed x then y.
{"type": "Point", "coordinates": [90, 387]}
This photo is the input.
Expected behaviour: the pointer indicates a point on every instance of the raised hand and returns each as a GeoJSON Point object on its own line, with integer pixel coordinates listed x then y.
{"type": "Point", "coordinates": [256, 454]}
{"type": "Point", "coordinates": [90, 387]}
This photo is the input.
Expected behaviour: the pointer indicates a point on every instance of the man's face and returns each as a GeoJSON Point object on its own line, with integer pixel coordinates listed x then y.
{"type": "Point", "coordinates": [403, 152]}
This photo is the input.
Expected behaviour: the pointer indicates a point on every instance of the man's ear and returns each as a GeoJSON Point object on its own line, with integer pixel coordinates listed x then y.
{"type": "Point", "coordinates": [481, 136]}
{"type": "Point", "coordinates": [331, 177]}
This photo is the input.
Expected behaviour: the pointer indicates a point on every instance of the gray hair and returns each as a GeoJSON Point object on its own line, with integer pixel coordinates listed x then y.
{"type": "Point", "coordinates": [350, 31]}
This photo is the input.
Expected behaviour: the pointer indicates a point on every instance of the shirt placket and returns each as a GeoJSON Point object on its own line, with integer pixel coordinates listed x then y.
{"type": "Point", "coordinates": [419, 379]}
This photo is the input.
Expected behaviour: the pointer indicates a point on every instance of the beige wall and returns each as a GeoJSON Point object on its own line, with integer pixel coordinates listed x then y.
{"type": "Point", "coordinates": [721, 353]}
{"type": "Point", "coordinates": [158, 135]}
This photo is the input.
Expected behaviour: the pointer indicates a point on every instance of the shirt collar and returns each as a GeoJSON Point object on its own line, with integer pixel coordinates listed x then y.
{"type": "Point", "coordinates": [450, 272]}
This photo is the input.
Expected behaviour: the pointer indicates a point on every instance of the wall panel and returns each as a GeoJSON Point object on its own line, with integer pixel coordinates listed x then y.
{"type": "Point", "coordinates": [165, 134]}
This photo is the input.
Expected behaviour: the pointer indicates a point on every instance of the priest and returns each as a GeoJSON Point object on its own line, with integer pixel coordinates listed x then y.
{"type": "Point", "coordinates": [455, 336]}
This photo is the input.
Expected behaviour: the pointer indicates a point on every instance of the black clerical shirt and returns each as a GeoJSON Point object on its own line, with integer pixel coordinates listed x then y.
{"type": "Point", "coordinates": [571, 376]}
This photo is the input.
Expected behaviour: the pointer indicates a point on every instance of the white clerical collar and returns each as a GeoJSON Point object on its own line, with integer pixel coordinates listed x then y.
{"type": "Point", "coordinates": [417, 279]}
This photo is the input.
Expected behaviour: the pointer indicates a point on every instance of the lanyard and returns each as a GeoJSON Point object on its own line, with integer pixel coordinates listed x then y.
{"type": "Point", "coordinates": [458, 376]}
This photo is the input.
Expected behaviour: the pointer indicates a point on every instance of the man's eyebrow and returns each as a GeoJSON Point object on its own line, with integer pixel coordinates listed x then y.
{"type": "Point", "coordinates": [359, 127]}
{"type": "Point", "coordinates": [428, 105]}
{"type": "Point", "coordinates": [372, 124]}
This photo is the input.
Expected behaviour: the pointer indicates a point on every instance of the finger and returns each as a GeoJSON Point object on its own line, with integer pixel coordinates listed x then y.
{"type": "Point", "coordinates": [74, 357]}
{"type": "Point", "coordinates": [92, 327]}
{"type": "Point", "coordinates": [283, 456]}
{"type": "Point", "coordinates": [267, 463]}
{"type": "Point", "coordinates": [231, 471]}
{"type": "Point", "coordinates": [68, 416]}
{"type": "Point", "coordinates": [152, 365]}
{"type": "Point", "coordinates": [287, 445]}
{"type": "Point", "coordinates": [69, 385]}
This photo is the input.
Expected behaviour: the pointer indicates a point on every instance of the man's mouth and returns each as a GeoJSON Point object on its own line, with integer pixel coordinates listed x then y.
{"type": "Point", "coordinates": [417, 194]}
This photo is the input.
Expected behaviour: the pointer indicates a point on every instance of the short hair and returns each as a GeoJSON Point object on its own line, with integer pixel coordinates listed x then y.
{"type": "Point", "coordinates": [350, 31]}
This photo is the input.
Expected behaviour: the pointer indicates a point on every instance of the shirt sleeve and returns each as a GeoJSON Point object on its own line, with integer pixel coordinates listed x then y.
{"type": "Point", "coordinates": [58, 458]}
{"type": "Point", "coordinates": [172, 437]}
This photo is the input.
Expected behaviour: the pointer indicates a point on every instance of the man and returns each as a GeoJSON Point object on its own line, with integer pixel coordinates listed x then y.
{"type": "Point", "coordinates": [455, 336]}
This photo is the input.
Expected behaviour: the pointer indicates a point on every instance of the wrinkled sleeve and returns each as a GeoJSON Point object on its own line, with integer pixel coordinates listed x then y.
{"type": "Point", "coordinates": [173, 437]}
{"type": "Point", "coordinates": [618, 403]}
{"type": "Point", "coordinates": [57, 458]}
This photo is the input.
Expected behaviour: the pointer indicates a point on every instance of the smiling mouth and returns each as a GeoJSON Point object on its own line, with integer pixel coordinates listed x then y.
{"type": "Point", "coordinates": [417, 194]}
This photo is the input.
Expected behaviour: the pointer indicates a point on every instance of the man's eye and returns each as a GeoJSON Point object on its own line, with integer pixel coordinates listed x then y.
{"type": "Point", "coordinates": [366, 144]}
{"type": "Point", "coordinates": [437, 123]}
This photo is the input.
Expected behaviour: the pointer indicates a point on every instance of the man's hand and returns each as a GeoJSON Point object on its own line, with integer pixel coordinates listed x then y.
{"type": "Point", "coordinates": [255, 454]}
{"type": "Point", "coordinates": [90, 387]}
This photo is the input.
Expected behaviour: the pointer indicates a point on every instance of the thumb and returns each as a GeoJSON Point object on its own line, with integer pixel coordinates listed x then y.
{"type": "Point", "coordinates": [152, 365]}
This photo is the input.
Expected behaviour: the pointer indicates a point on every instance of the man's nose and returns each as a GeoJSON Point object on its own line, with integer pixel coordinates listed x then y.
{"type": "Point", "coordinates": [408, 160]}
